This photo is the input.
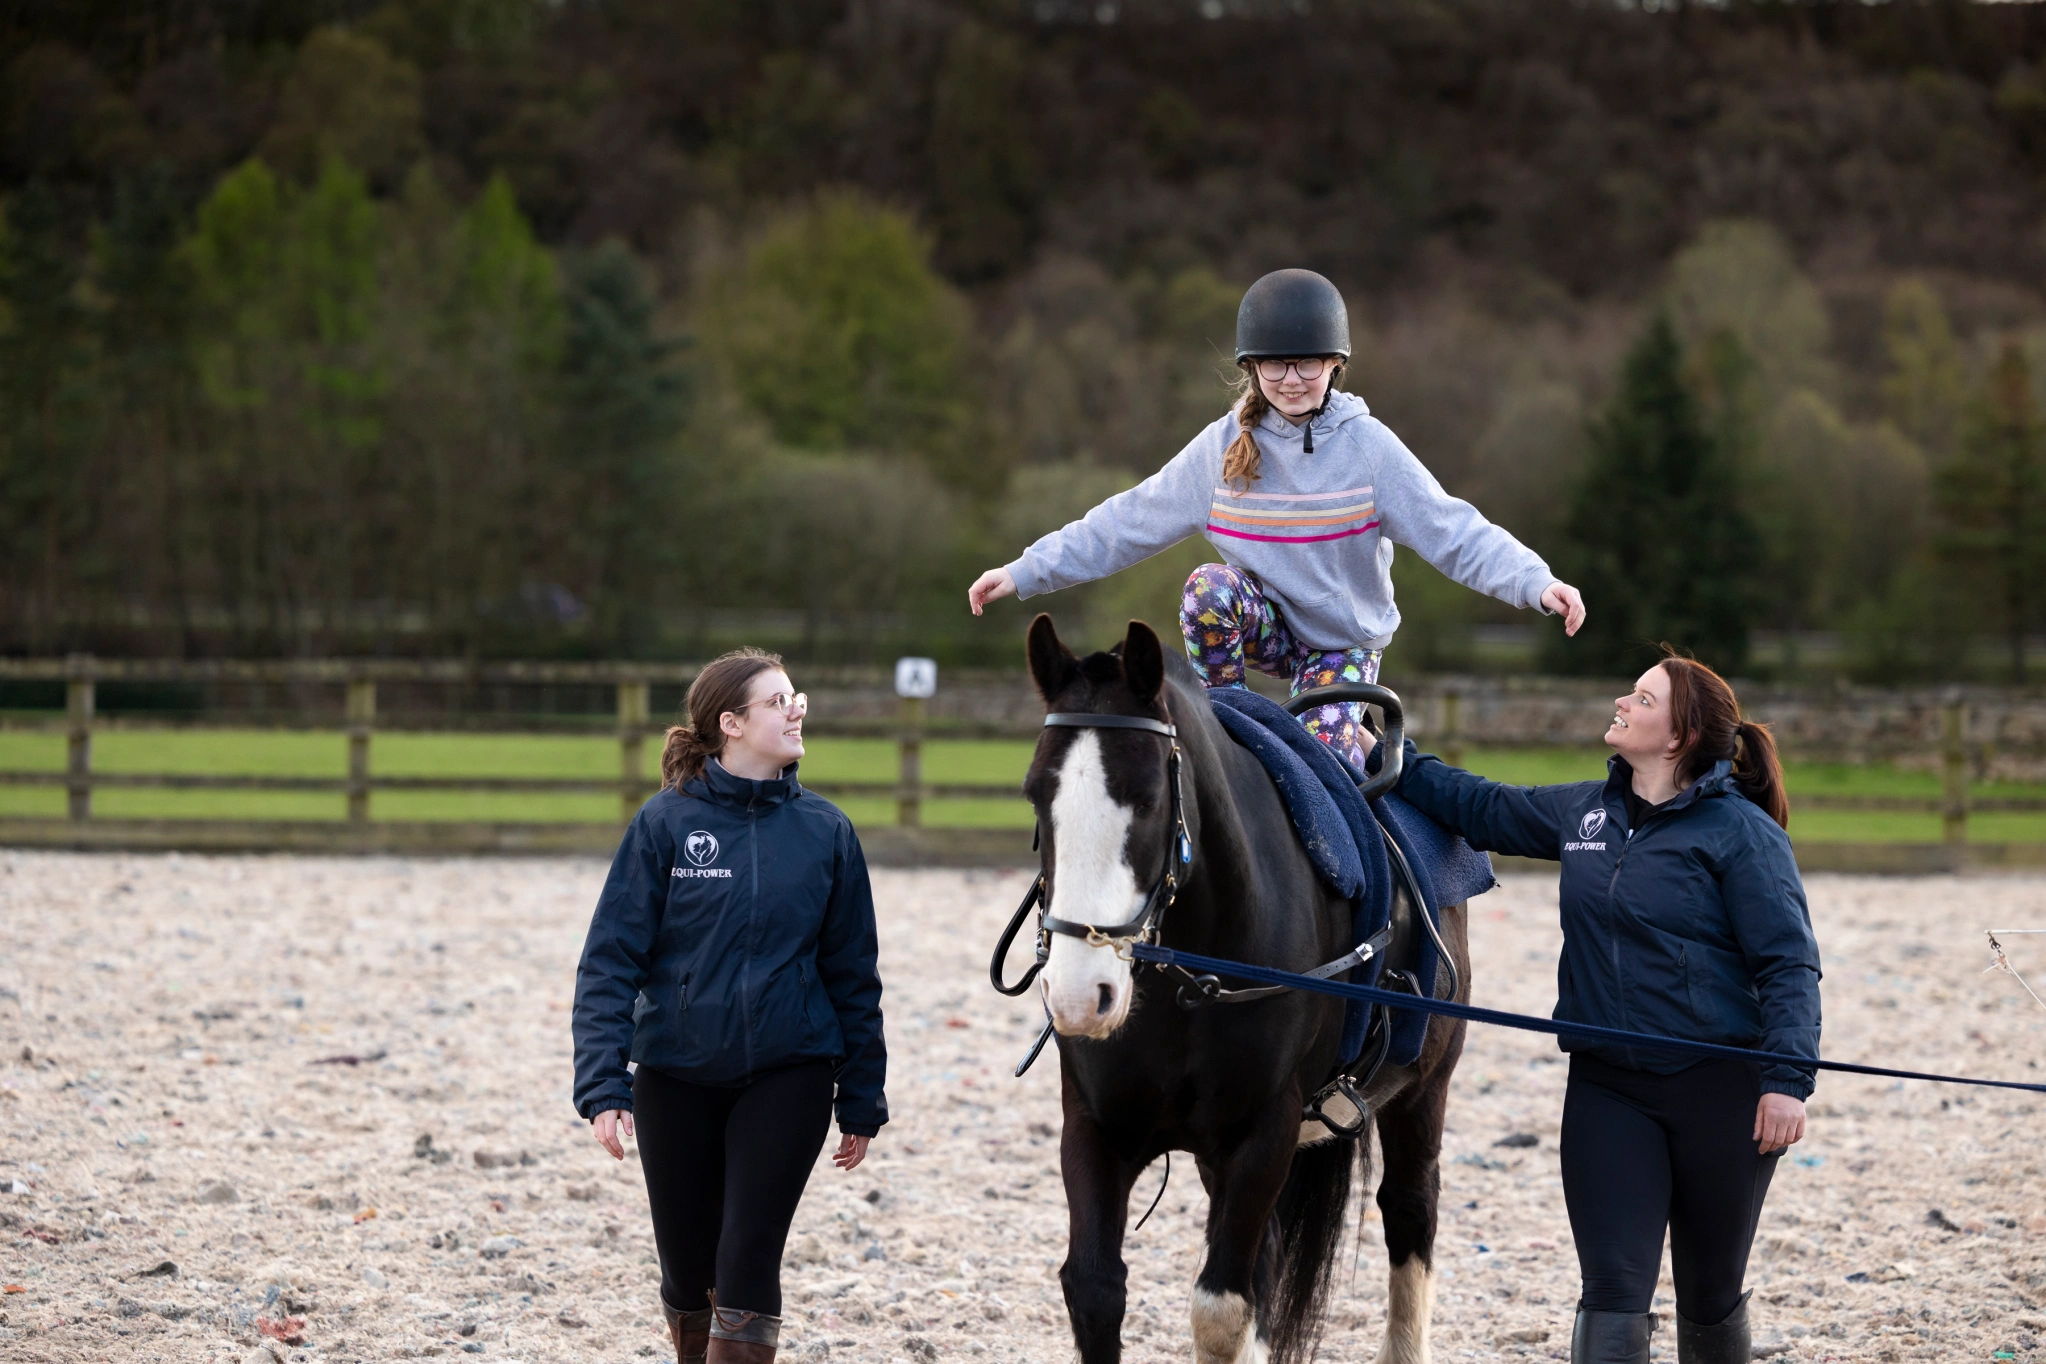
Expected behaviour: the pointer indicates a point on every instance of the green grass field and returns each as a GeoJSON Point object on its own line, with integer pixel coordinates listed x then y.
{"type": "Point", "coordinates": [275, 753]}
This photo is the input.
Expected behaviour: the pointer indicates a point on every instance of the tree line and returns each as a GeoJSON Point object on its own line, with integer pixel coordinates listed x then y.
{"type": "Point", "coordinates": [496, 327]}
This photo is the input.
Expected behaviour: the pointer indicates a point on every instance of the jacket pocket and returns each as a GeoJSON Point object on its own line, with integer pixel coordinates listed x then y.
{"type": "Point", "coordinates": [1660, 998]}
{"type": "Point", "coordinates": [1722, 994]}
{"type": "Point", "coordinates": [1698, 1010]}
{"type": "Point", "coordinates": [819, 1017]}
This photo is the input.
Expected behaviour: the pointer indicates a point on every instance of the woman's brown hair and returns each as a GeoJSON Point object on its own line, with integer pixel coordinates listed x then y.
{"type": "Point", "coordinates": [1705, 719]}
{"type": "Point", "coordinates": [1242, 459]}
{"type": "Point", "coordinates": [720, 687]}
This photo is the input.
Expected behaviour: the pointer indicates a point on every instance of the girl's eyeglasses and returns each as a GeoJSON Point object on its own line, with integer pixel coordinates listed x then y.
{"type": "Point", "coordinates": [1272, 371]}
{"type": "Point", "coordinates": [790, 704]}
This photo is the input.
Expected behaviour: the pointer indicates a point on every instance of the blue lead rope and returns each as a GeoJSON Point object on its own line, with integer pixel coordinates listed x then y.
{"type": "Point", "coordinates": [1393, 999]}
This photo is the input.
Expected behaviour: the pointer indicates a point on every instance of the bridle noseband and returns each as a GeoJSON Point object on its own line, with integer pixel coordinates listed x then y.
{"type": "Point", "coordinates": [1145, 926]}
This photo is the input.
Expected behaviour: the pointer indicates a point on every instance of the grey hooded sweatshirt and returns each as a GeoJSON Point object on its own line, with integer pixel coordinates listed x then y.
{"type": "Point", "coordinates": [1317, 529]}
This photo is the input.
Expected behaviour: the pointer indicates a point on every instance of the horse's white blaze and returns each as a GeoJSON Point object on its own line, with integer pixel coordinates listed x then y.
{"type": "Point", "coordinates": [1410, 1302]}
{"type": "Point", "coordinates": [1224, 1329]}
{"type": "Point", "coordinates": [1092, 884]}
{"type": "Point", "coordinates": [1337, 1107]}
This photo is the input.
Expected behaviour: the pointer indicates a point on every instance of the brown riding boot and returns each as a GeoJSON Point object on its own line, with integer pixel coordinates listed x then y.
{"type": "Point", "coordinates": [739, 1337]}
{"type": "Point", "coordinates": [690, 1332]}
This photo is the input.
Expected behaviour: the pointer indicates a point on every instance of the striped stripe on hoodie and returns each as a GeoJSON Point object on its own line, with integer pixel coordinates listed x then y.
{"type": "Point", "coordinates": [1291, 518]}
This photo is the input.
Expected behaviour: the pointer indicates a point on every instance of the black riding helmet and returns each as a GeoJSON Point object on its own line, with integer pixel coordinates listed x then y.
{"type": "Point", "coordinates": [1291, 314]}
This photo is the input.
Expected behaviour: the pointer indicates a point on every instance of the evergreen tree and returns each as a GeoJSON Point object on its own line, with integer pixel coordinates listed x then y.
{"type": "Point", "coordinates": [1992, 500]}
{"type": "Point", "coordinates": [142, 285]}
{"type": "Point", "coordinates": [287, 287]}
{"type": "Point", "coordinates": [622, 403]}
{"type": "Point", "coordinates": [45, 411]}
{"type": "Point", "coordinates": [1657, 540]}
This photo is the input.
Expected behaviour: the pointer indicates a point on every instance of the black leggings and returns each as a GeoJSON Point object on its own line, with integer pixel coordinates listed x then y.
{"type": "Point", "coordinates": [725, 1169]}
{"type": "Point", "coordinates": [1642, 1152]}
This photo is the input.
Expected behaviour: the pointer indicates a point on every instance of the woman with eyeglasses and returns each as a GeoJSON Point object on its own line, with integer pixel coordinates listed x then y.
{"type": "Point", "coordinates": [1303, 493]}
{"type": "Point", "coordinates": [727, 1001]}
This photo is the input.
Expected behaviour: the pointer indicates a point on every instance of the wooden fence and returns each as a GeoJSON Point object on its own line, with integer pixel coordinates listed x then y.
{"type": "Point", "coordinates": [907, 841]}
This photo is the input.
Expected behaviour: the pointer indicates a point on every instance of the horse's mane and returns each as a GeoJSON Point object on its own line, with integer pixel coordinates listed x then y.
{"type": "Point", "coordinates": [1191, 708]}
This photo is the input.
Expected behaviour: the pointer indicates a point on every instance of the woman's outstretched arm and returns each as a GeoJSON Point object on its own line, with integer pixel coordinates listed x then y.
{"type": "Point", "coordinates": [1521, 821]}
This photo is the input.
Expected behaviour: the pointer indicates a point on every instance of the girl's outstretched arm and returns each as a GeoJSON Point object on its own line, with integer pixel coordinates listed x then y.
{"type": "Point", "coordinates": [1157, 514]}
{"type": "Point", "coordinates": [1456, 539]}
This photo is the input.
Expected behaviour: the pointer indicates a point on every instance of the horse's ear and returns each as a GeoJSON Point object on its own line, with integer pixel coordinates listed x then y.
{"type": "Point", "coordinates": [1143, 661]}
{"type": "Point", "coordinates": [1052, 664]}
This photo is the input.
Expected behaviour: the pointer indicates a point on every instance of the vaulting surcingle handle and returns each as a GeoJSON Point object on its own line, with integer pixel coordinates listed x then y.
{"type": "Point", "coordinates": [1392, 744]}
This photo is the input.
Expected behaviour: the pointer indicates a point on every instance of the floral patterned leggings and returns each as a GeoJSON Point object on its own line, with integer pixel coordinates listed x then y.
{"type": "Point", "coordinates": [1230, 624]}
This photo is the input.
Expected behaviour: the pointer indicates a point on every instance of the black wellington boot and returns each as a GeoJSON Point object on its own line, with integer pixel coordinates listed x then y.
{"type": "Point", "coordinates": [1611, 1337]}
{"type": "Point", "coordinates": [1730, 1342]}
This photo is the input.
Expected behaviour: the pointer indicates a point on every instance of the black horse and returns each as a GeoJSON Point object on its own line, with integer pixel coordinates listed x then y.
{"type": "Point", "coordinates": [1142, 1076]}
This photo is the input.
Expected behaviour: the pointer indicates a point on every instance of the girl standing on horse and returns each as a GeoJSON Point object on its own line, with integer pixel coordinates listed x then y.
{"type": "Point", "coordinates": [1683, 916]}
{"type": "Point", "coordinates": [1304, 494]}
{"type": "Point", "coordinates": [732, 958]}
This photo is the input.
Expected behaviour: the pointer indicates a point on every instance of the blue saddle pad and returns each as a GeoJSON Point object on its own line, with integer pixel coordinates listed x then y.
{"type": "Point", "coordinates": [1340, 831]}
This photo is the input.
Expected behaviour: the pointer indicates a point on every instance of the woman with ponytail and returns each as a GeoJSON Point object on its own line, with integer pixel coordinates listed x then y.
{"type": "Point", "coordinates": [1303, 493]}
{"type": "Point", "coordinates": [728, 1001]}
{"type": "Point", "coordinates": [1683, 916]}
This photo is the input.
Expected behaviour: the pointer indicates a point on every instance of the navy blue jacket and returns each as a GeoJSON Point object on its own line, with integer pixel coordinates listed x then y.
{"type": "Point", "coordinates": [734, 935]}
{"type": "Point", "coordinates": [1693, 925]}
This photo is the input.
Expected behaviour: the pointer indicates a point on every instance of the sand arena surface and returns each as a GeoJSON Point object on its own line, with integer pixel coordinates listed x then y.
{"type": "Point", "coordinates": [167, 1096]}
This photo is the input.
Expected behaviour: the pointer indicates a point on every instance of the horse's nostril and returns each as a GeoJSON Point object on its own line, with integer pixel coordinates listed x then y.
{"type": "Point", "coordinates": [1107, 999]}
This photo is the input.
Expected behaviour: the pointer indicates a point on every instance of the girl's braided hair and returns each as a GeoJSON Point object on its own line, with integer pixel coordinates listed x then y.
{"type": "Point", "coordinates": [1242, 459]}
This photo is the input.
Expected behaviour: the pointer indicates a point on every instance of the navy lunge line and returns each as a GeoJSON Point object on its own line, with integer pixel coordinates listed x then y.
{"type": "Point", "coordinates": [1393, 999]}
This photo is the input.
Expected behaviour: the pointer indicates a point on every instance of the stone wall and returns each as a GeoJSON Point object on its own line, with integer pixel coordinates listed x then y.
{"type": "Point", "coordinates": [2005, 727]}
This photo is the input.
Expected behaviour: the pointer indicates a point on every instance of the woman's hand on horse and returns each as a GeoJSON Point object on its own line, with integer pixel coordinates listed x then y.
{"type": "Point", "coordinates": [608, 1125]}
{"type": "Point", "coordinates": [992, 585]}
{"type": "Point", "coordinates": [1779, 1122]}
{"type": "Point", "coordinates": [1567, 602]}
{"type": "Point", "coordinates": [851, 1151]}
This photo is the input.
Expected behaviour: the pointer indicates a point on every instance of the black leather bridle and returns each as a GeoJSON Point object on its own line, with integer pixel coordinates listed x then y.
{"type": "Point", "coordinates": [1145, 926]}
{"type": "Point", "coordinates": [1199, 991]}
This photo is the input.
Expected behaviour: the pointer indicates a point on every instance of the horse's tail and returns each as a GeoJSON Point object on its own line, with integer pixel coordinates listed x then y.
{"type": "Point", "coordinates": [1310, 1227]}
